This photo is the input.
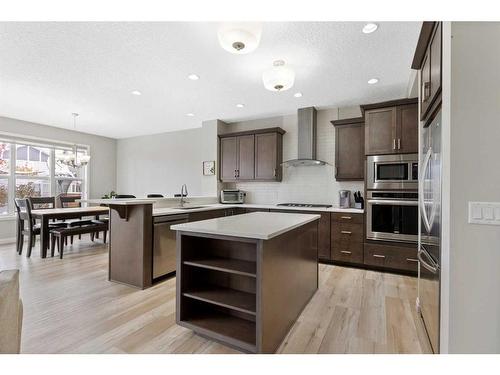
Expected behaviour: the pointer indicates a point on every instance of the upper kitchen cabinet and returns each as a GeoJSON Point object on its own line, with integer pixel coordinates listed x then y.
{"type": "Point", "coordinates": [237, 158]}
{"type": "Point", "coordinates": [349, 149]}
{"type": "Point", "coordinates": [427, 59]}
{"type": "Point", "coordinates": [254, 155]}
{"type": "Point", "coordinates": [391, 127]}
{"type": "Point", "coordinates": [268, 155]}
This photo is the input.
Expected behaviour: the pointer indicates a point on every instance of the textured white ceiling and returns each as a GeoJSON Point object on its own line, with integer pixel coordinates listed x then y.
{"type": "Point", "coordinates": [48, 70]}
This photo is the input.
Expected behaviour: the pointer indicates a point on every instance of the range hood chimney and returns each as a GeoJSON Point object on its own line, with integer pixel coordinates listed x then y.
{"type": "Point", "coordinates": [306, 120]}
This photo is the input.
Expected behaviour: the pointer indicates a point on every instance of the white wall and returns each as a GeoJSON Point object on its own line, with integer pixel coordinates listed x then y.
{"type": "Point", "coordinates": [102, 166]}
{"type": "Point", "coordinates": [315, 184]}
{"type": "Point", "coordinates": [474, 304]}
{"type": "Point", "coordinates": [161, 163]}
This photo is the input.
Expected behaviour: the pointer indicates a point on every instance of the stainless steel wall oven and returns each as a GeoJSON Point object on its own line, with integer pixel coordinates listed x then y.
{"type": "Point", "coordinates": [392, 216]}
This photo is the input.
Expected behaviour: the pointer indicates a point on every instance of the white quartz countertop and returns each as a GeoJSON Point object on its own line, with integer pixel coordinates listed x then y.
{"type": "Point", "coordinates": [219, 206]}
{"type": "Point", "coordinates": [120, 201]}
{"type": "Point", "coordinates": [257, 225]}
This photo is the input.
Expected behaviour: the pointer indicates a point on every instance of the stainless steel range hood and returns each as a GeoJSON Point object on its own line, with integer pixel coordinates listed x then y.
{"type": "Point", "coordinates": [306, 119]}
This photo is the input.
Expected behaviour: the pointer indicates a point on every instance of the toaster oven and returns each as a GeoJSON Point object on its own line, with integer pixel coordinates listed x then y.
{"type": "Point", "coordinates": [232, 196]}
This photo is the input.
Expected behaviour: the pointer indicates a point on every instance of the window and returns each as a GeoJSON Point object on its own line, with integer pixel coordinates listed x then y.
{"type": "Point", "coordinates": [37, 171]}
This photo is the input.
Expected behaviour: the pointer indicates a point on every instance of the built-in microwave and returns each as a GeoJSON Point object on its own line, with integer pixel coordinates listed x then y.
{"type": "Point", "coordinates": [392, 172]}
{"type": "Point", "coordinates": [232, 196]}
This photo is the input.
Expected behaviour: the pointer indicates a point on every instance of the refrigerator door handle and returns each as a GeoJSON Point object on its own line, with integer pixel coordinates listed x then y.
{"type": "Point", "coordinates": [421, 194]}
{"type": "Point", "coordinates": [430, 267]}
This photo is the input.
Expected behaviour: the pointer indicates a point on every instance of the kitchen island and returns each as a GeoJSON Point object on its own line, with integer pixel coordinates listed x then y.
{"type": "Point", "coordinates": [244, 280]}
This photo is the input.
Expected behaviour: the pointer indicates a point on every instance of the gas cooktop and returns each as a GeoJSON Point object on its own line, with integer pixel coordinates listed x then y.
{"type": "Point", "coordinates": [307, 205]}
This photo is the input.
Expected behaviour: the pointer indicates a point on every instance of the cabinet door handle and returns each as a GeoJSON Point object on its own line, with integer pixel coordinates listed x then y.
{"type": "Point", "coordinates": [346, 217]}
{"type": "Point", "coordinates": [413, 260]}
{"type": "Point", "coordinates": [379, 256]}
{"type": "Point", "coordinates": [274, 172]}
{"type": "Point", "coordinates": [394, 143]}
{"type": "Point", "coordinates": [399, 143]}
{"type": "Point", "coordinates": [345, 232]}
{"type": "Point", "coordinates": [235, 173]}
{"type": "Point", "coordinates": [238, 173]}
{"type": "Point", "coordinates": [345, 252]}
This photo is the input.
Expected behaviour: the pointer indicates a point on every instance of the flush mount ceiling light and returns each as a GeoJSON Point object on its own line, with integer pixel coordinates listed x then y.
{"type": "Point", "coordinates": [190, 114]}
{"type": "Point", "coordinates": [136, 92]}
{"type": "Point", "coordinates": [240, 38]}
{"type": "Point", "coordinates": [193, 77]}
{"type": "Point", "coordinates": [279, 77]}
{"type": "Point", "coordinates": [240, 105]}
{"type": "Point", "coordinates": [298, 95]}
{"type": "Point", "coordinates": [372, 81]}
{"type": "Point", "coordinates": [370, 28]}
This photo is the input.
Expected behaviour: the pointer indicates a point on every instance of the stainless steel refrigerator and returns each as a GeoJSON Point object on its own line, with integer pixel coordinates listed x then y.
{"type": "Point", "coordinates": [429, 253]}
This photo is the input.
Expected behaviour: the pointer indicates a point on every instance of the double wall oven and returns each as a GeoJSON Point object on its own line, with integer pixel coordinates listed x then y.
{"type": "Point", "coordinates": [392, 198]}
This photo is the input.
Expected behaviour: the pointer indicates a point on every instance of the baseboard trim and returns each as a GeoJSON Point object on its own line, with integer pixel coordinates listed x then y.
{"type": "Point", "coordinates": [4, 241]}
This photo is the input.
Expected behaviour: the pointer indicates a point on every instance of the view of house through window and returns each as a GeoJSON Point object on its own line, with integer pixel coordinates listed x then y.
{"type": "Point", "coordinates": [38, 171]}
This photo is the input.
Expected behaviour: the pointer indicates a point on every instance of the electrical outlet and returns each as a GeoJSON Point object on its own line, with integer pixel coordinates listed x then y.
{"type": "Point", "coordinates": [486, 213]}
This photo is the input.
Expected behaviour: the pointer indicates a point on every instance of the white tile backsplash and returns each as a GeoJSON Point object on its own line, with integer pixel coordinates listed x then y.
{"type": "Point", "coordinates": [314, 184]}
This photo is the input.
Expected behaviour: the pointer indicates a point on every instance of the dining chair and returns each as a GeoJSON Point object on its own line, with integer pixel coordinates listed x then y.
{"type": "Point", "coordinates": [72, 200]}
{"type": "Point", "coordinates": [23, 210]}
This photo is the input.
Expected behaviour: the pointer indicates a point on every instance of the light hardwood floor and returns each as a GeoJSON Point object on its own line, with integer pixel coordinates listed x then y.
{"type": "Point", "coordinates": [71, 307]}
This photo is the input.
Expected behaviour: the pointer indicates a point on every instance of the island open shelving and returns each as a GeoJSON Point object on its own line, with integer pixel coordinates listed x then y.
{"type": "Point", "coordinates": [233, 289]}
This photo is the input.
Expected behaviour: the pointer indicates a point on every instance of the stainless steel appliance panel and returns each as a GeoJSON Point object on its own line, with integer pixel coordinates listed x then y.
{"type": "Point", "coordinates": [164, 249]}
{"type": "Point", "coordinates": [392, 216]}
{"type": "Point", "coordinates": [392, 172]}
{"type": "Point", "coordinates": [430, 230]}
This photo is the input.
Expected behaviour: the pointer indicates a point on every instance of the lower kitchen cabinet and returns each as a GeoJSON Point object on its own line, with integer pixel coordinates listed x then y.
{"type": "Point", "coordinates": [347, 238]}
{"type": "Point", "coordinates": [323, 231]}
{"type": "Point", "coordinates": [205, 215]}
{"type": "Point", "coordinates": [395, 257]}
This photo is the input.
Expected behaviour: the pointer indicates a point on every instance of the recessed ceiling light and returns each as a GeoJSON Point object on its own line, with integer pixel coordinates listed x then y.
{"type": "Point", "coordinates": [190, 114]}
{"type": "Point", "coordinates": [370, 28]}
{"type": "Point", "coordinates": [193, 77]}
{"type": "Point", "coordinates": [372, 81]}
{"type": "Point", "coordinates": [136, 92]}
{"type": "Point", "coordinates": [240, 105]}
{"type": "Point", "coordinates": [298, 95]}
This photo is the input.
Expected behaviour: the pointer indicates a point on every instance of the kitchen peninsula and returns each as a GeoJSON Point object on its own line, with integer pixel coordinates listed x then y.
{"type": "Point", "coordinates": [244, 280]}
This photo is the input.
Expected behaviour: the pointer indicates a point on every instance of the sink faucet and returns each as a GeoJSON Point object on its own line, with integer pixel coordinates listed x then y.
{"type": "Point", "coordinates": [184, 193]}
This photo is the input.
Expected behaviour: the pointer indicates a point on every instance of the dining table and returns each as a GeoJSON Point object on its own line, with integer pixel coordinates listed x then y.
{"type": "Point", "coordinates": [45, 215]}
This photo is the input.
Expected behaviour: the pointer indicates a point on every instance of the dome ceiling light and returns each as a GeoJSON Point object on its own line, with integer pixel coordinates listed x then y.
{"type": "Point", "coordinates": [240, 38]}
{"type": "Point", "coordinates": [279, 77]}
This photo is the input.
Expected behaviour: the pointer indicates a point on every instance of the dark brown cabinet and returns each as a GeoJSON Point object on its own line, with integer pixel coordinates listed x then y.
{"type": "Point", "coordinates": [228, 158]}
{"type": "Point", "coordinates": [428, 59]}
{"type": "Point", "coordinates": [391, 127]}
{"type": "Point", "coordinates": [347, 238]}
{"type": "Point", "coordinates": [349, 149]}
{"type": "Point", "coordinates": [252, 155]}
{"type": "Point", "coordinates": [323, 231]}
{"type": "Point", "coordinates": [394, 257]}
{"type": "Point", "coordinates": [267, 156]}
{"type": "Point", "coordinates": [237, 158]}
{"type": "Point", "coordinates": [407, 129]}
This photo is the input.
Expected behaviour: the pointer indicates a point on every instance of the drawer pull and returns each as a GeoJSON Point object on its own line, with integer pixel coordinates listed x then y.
{"type": "Point", "coordinates": [345, 252]}
{"type": "Point", "coordinates": [346, 217]}
{"type": "Point", "coordinates": [379, 256]}
{"type": "Point", "coordinates": [345, 232]}
{"type": "Point", "coordinates": [412, 260]}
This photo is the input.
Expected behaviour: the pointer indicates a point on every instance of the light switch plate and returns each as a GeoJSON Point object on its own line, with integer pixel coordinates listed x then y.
{"type": "Point", "coordinates": [486, 213]}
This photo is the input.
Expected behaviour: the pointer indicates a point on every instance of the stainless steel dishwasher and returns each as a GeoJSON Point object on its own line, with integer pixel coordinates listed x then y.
{"type": "Point", "coordinates": [164, 248]}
